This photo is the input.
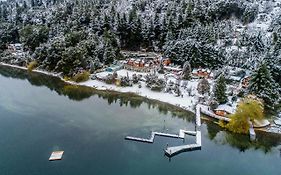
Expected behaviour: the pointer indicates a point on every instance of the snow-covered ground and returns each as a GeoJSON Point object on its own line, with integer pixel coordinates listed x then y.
{"type": "Point", "coordinates": [186, 102]}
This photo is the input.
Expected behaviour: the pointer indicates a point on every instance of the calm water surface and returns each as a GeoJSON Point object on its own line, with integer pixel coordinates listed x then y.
{"type": "Point", "coordinates": [39, 114]}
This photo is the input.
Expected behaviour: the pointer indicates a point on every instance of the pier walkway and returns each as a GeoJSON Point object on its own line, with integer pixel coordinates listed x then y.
{"type": "Point", "coordinates": [181, 135]}
{"type": "Point", "coordinates": [198, 114]}
{"type": "Point", "coordinates": [171, 151]}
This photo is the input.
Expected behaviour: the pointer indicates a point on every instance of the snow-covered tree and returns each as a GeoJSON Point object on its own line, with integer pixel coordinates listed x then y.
{"type": "Point", "coordinates": [220, 90]}
{"type": "Point", "coordinates": [186, 71]}
{"type": "Point", "coordinates": [203, 87]}
{"type": "Point", "coordinates": [263, 86]}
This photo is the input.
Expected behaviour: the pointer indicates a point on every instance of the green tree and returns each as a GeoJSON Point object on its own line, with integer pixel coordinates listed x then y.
{"type": "Point", "coordinates": [263, 86]}
{"type": "Point", "coordinates": [73, 38]}
{"type": "Point", "coordinates": [109, 54]}
{"type": "Point", "coordinates": [220, 90]}
{"type": "Point", "coordinates": [32, 36]}
{"type": "Point", "coordinates": [8, 34]}
{"type": "Point", "coordinates": [72, 59]}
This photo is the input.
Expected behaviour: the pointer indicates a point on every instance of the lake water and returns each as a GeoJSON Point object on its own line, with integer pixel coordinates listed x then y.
{"type": "Point", "coordinates": [40, 114]}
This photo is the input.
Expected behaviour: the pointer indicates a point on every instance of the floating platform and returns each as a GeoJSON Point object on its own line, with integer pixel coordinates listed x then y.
{"type": "Point", "coordinates": [56, 155]}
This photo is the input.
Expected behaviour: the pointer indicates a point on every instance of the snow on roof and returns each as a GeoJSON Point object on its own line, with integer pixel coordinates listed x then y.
{"type": "Point", "coordinates": [201, 69]}
{"type": "Point", "coordinates": [278, 122]}
{"type": "Point", "coordinates": [194, 71]}
{"type": "Point", "coordinates": [261, 123]}
{"type": "Point", "coordinates": [225, 108]}
{"type": "Point", "coordinates": [235, 78]}
{"type": "Point", "coordinates": [18, 44]}
{"type": "Point", "coordinates": [173, 68]}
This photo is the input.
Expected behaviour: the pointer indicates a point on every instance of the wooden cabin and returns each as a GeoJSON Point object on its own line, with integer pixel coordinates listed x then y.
{"type": "Point", "coordinates": [223, 110]}
{"type": "Point", "coordinates": [166, 61]}
{"type": "Point", "coordinates": [246, 82]}
{"type": "Point", "coordinates": [131, 62]}
{"type": "Point", "coordinates": [202, 73]}
{"type": "Point", "coordinates": [15, 47]}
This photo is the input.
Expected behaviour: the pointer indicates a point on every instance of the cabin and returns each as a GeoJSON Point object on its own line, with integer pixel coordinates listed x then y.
{"type": "Point", "coordinates": [144, 64]}
{"type": "Point", "coordinates": [165, 61]}
{"type": "Point", "coordinates": [235, 74]}
{"type": "Point", "coordinates": [15, 47]}
{"type": "Point", "coordinates": [223, 110]}
{"type": "Point", "coordinates": [137, 63]}
{"type": "Point", "coordinates": [202, 73]}
{"type": "Point", "coordinates": [246, 82]}
{"type": "Point", "coordinates": [113, 68]}
{"type": "Point", "coordinates": [131, 61]}
{"type": "Point", "coordinates": [174, 69]}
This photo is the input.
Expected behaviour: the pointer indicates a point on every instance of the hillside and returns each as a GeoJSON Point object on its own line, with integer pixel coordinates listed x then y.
{"type": "Point", "coordinates": [64, 35]}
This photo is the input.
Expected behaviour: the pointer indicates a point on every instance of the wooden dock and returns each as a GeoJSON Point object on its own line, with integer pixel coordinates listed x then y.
{"type": "Point", "coordinates": [198, 114]}
{"type": "Point", "coordinates": [171, 151]}
{"type": "Point", "coordinates": [174, 150]}
{"type": "Point", "coordinates": [139, 139]}
{"type": "Point", "coordinates": [181, 135]}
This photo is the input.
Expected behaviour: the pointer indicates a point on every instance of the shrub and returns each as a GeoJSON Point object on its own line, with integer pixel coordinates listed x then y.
{"type": "Point", "coordinates": [81, 77]}
{"type": "Point", "coordinates": [32, 65]}
{"type": "Point", "coordinates": [248, 110]}
{"type": "Point", "coordinates": [222, 124]}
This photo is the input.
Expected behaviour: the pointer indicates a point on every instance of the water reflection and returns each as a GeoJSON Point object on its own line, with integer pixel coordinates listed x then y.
{"type": "Point", "coordinates": [79, 93]}
{"type": "Point", "coordinates": [265, 141]}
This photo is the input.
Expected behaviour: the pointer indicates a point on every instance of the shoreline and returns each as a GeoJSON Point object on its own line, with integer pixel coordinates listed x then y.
{"type": "Point", "coordinates": [101, 86]}
{"type": "Point", "coordinates": [105, 87]}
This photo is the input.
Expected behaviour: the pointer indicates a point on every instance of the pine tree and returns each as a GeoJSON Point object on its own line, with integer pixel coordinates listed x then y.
{"type": "Point", "coordinates": [24, 6]}
{"type": "Point", "coordinates": [32, 3]}
{"type": "Point", "coordinates": [220, 90]}
{"type": "Point", "coordinates": [264, 87]}
{"type": "Point", "coordinates": [109, 54]}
